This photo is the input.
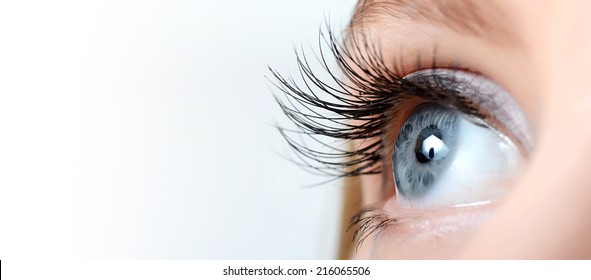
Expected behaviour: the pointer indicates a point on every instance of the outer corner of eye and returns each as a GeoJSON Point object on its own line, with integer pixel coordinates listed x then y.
{"type": "Point", "coordinates": [442, 157]}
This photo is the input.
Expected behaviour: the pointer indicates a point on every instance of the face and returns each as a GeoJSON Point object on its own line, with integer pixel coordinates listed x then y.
{"type": "Point", "coordinates": [469, 123]}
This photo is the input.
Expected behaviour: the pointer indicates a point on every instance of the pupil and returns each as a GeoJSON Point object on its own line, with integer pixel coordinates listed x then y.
{"type": "Point", "coordinates": [429, 145]}
{"type": "Point", "coordinates": [422, 151]}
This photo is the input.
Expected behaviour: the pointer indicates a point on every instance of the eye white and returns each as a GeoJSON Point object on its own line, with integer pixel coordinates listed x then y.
{"type": "Point", "coordinates": [466, 159]}
{"type": "Point", "coordinates": [483, 166]}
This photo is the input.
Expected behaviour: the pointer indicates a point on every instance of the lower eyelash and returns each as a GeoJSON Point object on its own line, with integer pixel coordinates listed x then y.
{"type": "Point", "coordinates": [360, 107]}
{"type": "Point", "coordinates": [369, 221]}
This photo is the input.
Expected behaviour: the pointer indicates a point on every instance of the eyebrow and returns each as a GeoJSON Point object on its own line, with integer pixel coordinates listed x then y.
{"type": "Point", "coordinates": [477, 18]}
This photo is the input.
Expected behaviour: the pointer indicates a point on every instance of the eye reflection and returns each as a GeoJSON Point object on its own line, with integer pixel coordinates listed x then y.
{"type": "Point", "coordinates": [430, 148]}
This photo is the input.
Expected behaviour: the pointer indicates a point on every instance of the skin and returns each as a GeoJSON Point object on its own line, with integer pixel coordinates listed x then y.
{"type": "Point", "coordinates": [546, 68]}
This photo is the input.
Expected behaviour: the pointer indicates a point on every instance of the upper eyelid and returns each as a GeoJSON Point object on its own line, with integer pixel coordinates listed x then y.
{"type": "Point", "coordinates": [356, 108]}
{"type": "Point", "coordinates": [374, 96]}
{"type": "Point", "coordinates": [496, 108]}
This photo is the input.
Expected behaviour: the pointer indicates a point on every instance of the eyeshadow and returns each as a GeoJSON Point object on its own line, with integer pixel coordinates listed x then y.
{"type": "Point", "coordinates": [494, 105]}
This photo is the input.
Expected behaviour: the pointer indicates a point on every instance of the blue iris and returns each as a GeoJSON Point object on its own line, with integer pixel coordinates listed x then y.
{"type": "Point", "coordinates": [424, 148]}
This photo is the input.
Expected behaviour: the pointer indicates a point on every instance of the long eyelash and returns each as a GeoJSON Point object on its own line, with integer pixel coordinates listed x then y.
{"type": "Point", "coordinates": [356, 107]}
{"type": "Point", "coordinates": [368, 221]}
{"type": "Point", "coordinates": [357, 102]}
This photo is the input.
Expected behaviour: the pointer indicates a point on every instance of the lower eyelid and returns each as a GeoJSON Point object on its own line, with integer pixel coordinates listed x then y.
{"type": "Point", "coordinates": [439, 228]}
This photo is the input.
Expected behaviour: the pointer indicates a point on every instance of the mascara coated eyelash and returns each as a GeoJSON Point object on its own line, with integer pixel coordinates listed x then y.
{"type": "Point", "coordinates": [359, 106]}
{"type": "Point", "coordinates": [359, 103]}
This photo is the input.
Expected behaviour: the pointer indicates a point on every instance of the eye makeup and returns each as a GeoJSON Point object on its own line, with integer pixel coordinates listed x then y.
{"type": "Point", "coordinates": [369, 105]}
{"type": "Point", "coordinates": [362, 105]}
{"type": "Point", "coordinates": [443, 156]}
{"type": "Point", "coordinates": [495, 105]}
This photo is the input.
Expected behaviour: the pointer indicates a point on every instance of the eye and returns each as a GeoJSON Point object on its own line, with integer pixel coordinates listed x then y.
{"type": "Point", "coordinates": [445, 157]}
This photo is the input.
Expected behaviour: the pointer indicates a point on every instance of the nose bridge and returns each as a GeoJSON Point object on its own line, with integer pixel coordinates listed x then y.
{"type": "Point", "coordinates": [563, 69]}
{"type": "Point", "coordinates": [560, 45]}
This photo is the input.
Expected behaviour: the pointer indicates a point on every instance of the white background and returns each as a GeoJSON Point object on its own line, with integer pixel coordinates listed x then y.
{"type": "Point", "coordinates": [144, 129]}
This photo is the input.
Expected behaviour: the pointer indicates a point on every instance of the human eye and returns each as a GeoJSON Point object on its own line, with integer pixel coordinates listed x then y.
{"type": "Point", "coordinates": [435, 141]}
{"type": "Point", "coordinates": [443, 156]}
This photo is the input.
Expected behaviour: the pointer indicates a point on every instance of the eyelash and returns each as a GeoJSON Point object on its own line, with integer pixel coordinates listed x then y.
{"type": "Point", "coordinates": [368, 221]}
{"type": "Point", "coordinates": [359, 107]}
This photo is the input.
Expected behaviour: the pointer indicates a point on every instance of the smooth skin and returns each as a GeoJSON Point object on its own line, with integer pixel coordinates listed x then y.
{"type": "Point", "coordinates": [540, 52]}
